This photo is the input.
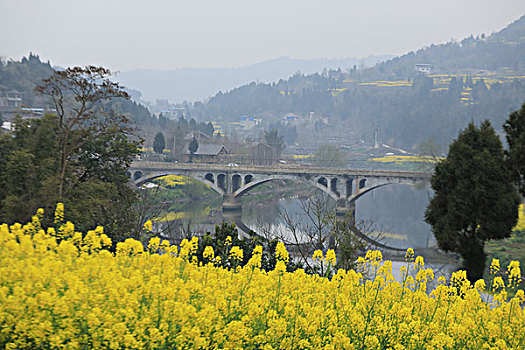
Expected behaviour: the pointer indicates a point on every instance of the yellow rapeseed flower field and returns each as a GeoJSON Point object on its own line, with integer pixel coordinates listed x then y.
{"type": "Point", "coordinates": [403, 159]}
{"type": "Point", "coordinates": [61, 289]}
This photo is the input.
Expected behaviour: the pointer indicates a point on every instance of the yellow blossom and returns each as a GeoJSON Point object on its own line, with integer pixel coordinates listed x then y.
{"type": "Point", "coordinates": [148, 226]}
{"type": "Point", "coordinates": [330, 257]}
{"type": "Point", "coordinates": [318, 255]}
{"type": "Point", "coordinates": [70, 290]}
{"type": "Point", "coordinates": [494, 266]}
{"type": "Point", "coordinates": [59, 213]}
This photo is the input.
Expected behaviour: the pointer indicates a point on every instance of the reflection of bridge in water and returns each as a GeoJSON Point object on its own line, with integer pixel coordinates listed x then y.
{"type": "Point", "coordinates": [345, 186]}
{"type": "Point", "coordinates": [389, 253]}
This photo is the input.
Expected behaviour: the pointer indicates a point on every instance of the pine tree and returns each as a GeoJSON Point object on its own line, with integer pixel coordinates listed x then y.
{"type": "Point", "coordinates": [475, 199]}
{"type": "Point", "coordinates": [193, 147]}
{"type": "Point", "coordinates": [159, 143]}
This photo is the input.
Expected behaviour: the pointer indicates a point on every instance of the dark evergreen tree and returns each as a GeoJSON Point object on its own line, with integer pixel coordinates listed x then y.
{"type": "Point", "coordinates": [209, 129]}
{"type": "Point", "coordinates": [515, 135]}
{"type": "Point", "coordinates": [183, 123]}
{"type": "Point", "coordinates": [159, 143]}
{"type": "Point", "coordinates": [193, 147]}
{"type": "Point", "coordinates": [192, 124]}
{"type": "Point", "coordinates": [475, 199]}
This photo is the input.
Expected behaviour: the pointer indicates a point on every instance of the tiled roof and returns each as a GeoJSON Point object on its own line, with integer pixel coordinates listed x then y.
{"type": "Point", "coordinates": [206, 149]}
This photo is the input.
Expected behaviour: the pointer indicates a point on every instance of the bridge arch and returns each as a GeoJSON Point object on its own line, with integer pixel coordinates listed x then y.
{"type": "Point", "coordinates": [333, 186]}
{"type": "Point", "coordinates": [236, 182]}
{"type": "Point", "coordinates": [365, 190]}
{"type": "Point", "coordinates": [349, 183]}
{"type": "Point", "coordinates": [322, 181]}
{"type": "Point", "coordinates": [137, 175]}
{"type": "Point", "coordinates": [371, 185]}
{"type": "Point", "coordinates": [207, 179]}
{"type": "Point", "coordinates": [221, 182]}
{"type": "Point", "coordinates": [253, 183]}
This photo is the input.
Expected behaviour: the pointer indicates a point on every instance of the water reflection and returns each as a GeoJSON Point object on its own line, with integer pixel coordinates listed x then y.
{"type": "Point", "coordinates": [396, 210]}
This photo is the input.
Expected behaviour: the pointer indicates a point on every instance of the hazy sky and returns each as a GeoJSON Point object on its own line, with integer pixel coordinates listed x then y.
{"type": "Point", "coordinates": [168, 34]}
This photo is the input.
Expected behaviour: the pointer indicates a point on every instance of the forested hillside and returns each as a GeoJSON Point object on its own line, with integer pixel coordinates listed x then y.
{"type": "Point", "coordinates": [24, 75]}
{"type": "Point", "coordinates": [477, 78]}
{"type": "Point", "coordinates": [504, 49]}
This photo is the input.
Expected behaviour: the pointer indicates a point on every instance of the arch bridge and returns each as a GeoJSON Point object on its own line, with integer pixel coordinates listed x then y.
{"type": "Point", "coordinates": [231, 182]}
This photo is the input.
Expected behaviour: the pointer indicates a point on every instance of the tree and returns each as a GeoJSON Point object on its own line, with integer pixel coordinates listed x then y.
{"type": "Point", "coordinates": [274, 140]}
{"type": "Point", "coordinates": [430, 148]}
{"type": "Point", "coordinates": [208, 129]}
{"type": "Point", "coordinates": [78, 96]}
{"type": "Point", "coordinates": [28, 168]}
{"type": "Point", "coordinates": [159, 143]}
{"type": "Point", "coordinates": [193, 147]}
{"type": "Point", "coordinates": [329, 156]}
{"type": "Point", "coordinates": [515, 134]}
{"type": "Point", "coordinates": [316, 226]}
{"type": "Point", "coordinates": [475, 199]}
{"type": "Point", "coordinates": [79, 156]}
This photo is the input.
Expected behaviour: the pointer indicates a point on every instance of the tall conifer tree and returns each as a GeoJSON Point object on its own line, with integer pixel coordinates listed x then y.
{"type": "Point", "coordinates": [475, 199]}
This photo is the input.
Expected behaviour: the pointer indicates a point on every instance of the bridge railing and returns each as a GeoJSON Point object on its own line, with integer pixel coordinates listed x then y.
{"type": "Point", "coordinates": [282, 169]}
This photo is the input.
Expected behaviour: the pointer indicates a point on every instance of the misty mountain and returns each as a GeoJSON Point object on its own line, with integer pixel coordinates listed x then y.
{"type": "Point", "coordinates": [477, 78]}
{"type": "Point", "coordinates": [503, 49]}
{"type": "Point", "coordinates": [200, 83]}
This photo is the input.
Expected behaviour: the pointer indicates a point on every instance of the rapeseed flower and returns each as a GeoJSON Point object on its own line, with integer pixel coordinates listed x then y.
{"type": "Point", "coordinates": [330, 257]}
{"type": "Point", "coordinates": [74, 293]}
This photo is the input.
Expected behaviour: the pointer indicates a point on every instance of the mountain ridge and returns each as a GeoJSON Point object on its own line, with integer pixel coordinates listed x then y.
{"type": "Point", "coordinates": [200, 83]}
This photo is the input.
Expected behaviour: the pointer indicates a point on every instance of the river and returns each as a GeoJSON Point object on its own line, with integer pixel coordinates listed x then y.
{"type": "Point", "coordinates": [397, 211]}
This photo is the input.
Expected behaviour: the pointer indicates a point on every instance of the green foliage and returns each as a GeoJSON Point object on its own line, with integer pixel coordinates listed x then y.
{"type": "Point", "coordinates": [475, 199]}
{"type": "Point", "coordinates": [499, 50]}
{"type": "Point", "coordinates": [96, 190]}
{"type": "Point", "coordinates": [506, 250]}
{"type": "Point", "coordinates": [515, 134]}
{"type": "Point", "coordinates": [79, 156]}
{"type": "Point", "coordinates": [24, 76]}
{"type": "Point", "coordinates": [95, 202]}
{"type": "Point", "coordinates": [28, 167]}
{"type": "Point", "coordinates": [193, 147]}
{"type": "Point", "coordinates": [222, 245]}
{"type": "Point", "coordinates": [159, 143]}
{"type": "Point", "coordinates": [289, 132]}
{"type": "Point", "coordinates": [329, 156]}
{"type": "Point", "coordinates": [274, 140]}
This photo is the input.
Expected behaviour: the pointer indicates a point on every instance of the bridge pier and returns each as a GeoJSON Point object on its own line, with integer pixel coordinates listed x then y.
{"type": "Point", "coordinates": [344, 207]}
{"type": "Point", "coordinates": [231, 203]}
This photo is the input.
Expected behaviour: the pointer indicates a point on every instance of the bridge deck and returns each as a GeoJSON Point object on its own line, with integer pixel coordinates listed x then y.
{"type": "Point", "coordinates": [277, 170]}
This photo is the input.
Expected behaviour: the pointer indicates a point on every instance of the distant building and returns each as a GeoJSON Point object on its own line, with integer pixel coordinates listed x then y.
{"type": "Point", "coordinates": [13, 99]}
{"type": "Point", "coordinates": [261, 154]}
{"type": "Point", "coordinates": [10, 100]}
{"type": "Point", "coordinates": [197, 135]}
{"type": "Point", "coordinates": [248, 122]}
{"type": "Point", "coordinates": [423, 68]}
{"type": "Point", "coordinates": [207, 153]}
{"type": "Point", "coordinates": [290, 118]}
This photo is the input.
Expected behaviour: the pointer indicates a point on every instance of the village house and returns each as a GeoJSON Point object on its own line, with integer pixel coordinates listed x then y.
{"type": "Point", "coordinates": [206, 153]}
